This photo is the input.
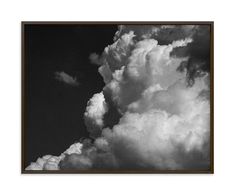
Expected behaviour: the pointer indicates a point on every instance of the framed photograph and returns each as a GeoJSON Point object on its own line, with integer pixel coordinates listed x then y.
{"type": "Point", "coordinates": [117, 97]}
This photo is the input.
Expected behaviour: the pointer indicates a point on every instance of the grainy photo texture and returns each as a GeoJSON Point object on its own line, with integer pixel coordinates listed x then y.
{"type": "Point", "coordinates": [117, 98]}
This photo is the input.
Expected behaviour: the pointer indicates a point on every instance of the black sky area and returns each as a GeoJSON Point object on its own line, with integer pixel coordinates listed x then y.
{"type": "Point", "coordinates": [54, 110]}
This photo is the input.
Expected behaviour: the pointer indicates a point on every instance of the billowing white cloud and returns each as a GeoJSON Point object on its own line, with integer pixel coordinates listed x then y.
{"type": "Point", "coordinates": [162, 128]}
{"type": "Point", "coordinates": [95, 110]}
{"type": "Point", "coordinates": [164, 123]}
{"type": "Point", "coordinates": [66, 78]}
{"type": "Point", "coordinates": [49, 162]}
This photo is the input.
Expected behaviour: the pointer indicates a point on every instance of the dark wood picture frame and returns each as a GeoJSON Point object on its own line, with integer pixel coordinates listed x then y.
{"type": "Point", "coordinates": [24, 98]}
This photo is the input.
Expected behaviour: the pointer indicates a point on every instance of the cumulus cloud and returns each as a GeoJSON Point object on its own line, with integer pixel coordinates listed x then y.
{"type": "Point", "coordinates": [95, 110]}
{"type": "Point", "coordinates": [176, 121]}
{"type": "Point", "coordinates": [49, 162]}
{"type": "Point", "coordinates": [198, 51]}
{"type": "Point", "coordinates": [164, 117]}
{"type": "Point", "coordinates": [66, 78]}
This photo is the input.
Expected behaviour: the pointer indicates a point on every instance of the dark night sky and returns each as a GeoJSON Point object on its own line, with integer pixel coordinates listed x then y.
{"type": "Point", "coordinates": [54, 110]}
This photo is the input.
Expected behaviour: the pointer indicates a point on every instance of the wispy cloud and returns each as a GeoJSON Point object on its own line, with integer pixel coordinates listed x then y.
{"type": "Point", "coordinates": [66, 78]}
{"type": "Point", "coordinates": [95, 59]}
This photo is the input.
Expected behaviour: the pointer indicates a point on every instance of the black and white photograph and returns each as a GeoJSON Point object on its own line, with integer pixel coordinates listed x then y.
{"type": "Point", "coordinates": [117, 97]}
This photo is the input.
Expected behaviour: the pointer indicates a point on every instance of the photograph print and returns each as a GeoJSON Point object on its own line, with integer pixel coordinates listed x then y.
{"type": "Point", "coordinates": [117, 97]}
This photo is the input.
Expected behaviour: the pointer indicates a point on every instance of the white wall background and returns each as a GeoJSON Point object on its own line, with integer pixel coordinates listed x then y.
{"type": "Point", "coordinates": [12, 12]}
